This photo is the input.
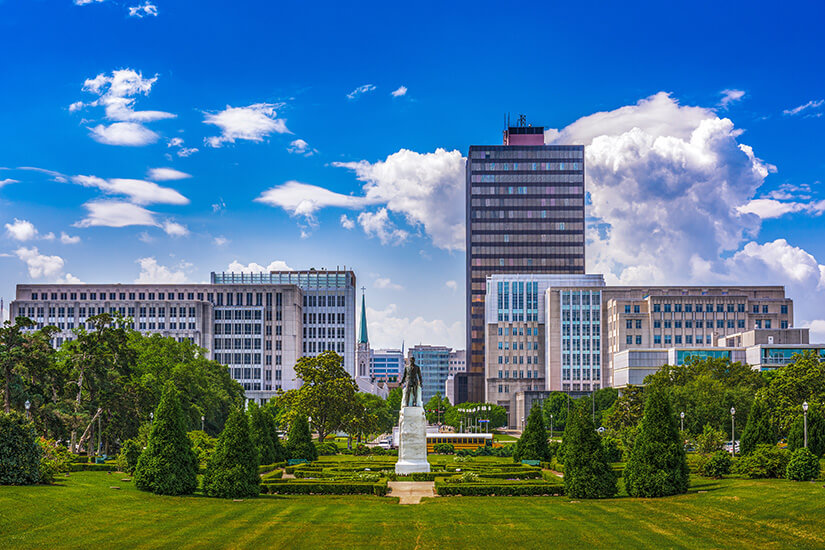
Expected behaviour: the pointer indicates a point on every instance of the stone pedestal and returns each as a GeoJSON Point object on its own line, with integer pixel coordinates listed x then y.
{"type": "Point", "coordinates": [412, 441]}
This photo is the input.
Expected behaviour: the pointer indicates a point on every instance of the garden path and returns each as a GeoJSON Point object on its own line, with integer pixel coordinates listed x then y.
{"type": "Point", "coordinates": [411, 492]}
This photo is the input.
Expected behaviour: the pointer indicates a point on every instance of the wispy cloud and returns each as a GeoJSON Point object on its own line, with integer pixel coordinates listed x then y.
{"type": "Point", "coordinates": [360, 90]}
{"type": "Point", "coordinates": [807, 109]}
{"type": "Point", "coordinates": [251, 123]}
{"type": "Point", "coordinates": [730, 96]}
{"type": "Point", "coordinates": [143, 10]}
{"type": "Point", "coordinates": [166, 174]}
{"type": "Point", "coordinates": [139, 191]}
{"type": "Point", "coordinates": [301, 147]}
{"type": "Point", "coordinates": [400, 91]}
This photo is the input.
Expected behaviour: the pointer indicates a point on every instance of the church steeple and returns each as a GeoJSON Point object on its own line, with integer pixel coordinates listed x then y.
{"type": "Point", "coordinates": [363, 338]}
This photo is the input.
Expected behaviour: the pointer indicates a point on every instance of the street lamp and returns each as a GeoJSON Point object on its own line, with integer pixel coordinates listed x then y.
{"type": "Point", "coordinates": [151, 417]}
{"type": "Point", "coordinates": [203, 418]}
{"type": "Point", "coordinates": [805, 421]}
{"type": "Point", "coordinates": [732, 431]}
{"type": "Point", "coordinates": [28, 405]}
{"type": "Point", "coordinates": [551, 425]}
{"type": "Point", "coordinates": [682, 415]}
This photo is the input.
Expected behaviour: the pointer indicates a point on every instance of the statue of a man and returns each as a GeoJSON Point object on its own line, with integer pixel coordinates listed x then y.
{"type": "Point", "coordinates": [411, 382]}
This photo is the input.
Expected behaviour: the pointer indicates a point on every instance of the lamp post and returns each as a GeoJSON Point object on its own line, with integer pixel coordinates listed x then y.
{"type": "Point", "coordinates": [551, 425]}
{"type": "Point", "coordinates": [732, 431]}
{"type": "Point", "coordinates": [151, 418]}
{"type": "Point", "coordinates": [28, 405]}
{"type": "Point", "coordinates": [203, 418]}
{"type": "Point", "coordinates": [805, 421]}
{"type": "Point", "coordinates": [682, 416]}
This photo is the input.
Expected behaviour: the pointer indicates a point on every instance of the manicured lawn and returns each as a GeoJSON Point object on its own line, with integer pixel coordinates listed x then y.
{"type": "Point", "coordinates": [82, 511]}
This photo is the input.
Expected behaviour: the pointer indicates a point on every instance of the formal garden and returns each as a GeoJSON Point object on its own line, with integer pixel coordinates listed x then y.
{"type": "Point", "coordinates": [645, 468]}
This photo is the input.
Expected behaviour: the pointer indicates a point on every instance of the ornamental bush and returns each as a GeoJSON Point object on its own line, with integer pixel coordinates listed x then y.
{"type": "Point", "coordinates": [168, 465]}
{"type": "Point", "coordinates": [278, 450]}
{"type": "Point", "coordinates": [444, 448]}
{"type": "Point", "coordinates": [532, 445]}
{"type": "Point", "coordinates": [587, 472]}
{"type": "Point", "coordinates": [129, 454]}
{"type": "Point", "coordinates": [261, 434]}
{"type": "Point", "coordinates": [803, 466]}
{"type": "Point", "coordinates": [766, 461]}
{"type": "Point", "coordinates": [710, 440]}
{"type": "Point", "coordinates": [657, 466]}
{"type": "Point", "coordinates": [56, 459]}
{"type": "Point", "coordinates": [232, 471]}
{"type": "Point", "coordinates": [299, 443]}
{"type": "Point", "coordinates": [19, 451]}
{"type": "Point", "coordinates": [612, 449]}
{"type": "Point", "coordinates": [758, 429]}
{"type": "Point", "coordinates": [328, 448]}
{"type": "Point", "coordinates": [716, 465]}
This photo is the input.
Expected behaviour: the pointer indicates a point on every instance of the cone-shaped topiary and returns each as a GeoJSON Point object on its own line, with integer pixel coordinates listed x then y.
{"type": "Point", "coordinates": [299, 444]}
{"type": "Point", "coordinates": [587, 473]}
{"type": "Point", "coordinates": [20, 452]}
{"type": "Point", "coordinates": [168, 465]}
{"type": "Point", "coordinates": [816, 432]}
{"type": "Point", "coordinates": [758, 430]}
{"type": "Point", "coordinates": [232, 471]}
{"type": "Point", "coordinates": [657, 465]}
{"type": "Point", "coordinates": [532, 445]}
{"type": "Point", "coordinates": [803, 466]}
{"type": "Point", "coordinates": [279, 453]}
{"type": "Point", "coordinates": [261, 434]}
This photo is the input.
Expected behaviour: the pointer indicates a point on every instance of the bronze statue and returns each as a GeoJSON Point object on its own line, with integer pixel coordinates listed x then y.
{"type": "Point", "coordinates": [411, 382]}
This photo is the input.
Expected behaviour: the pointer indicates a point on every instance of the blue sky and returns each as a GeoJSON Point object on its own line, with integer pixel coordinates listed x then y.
{"type": "Point", "coordinates": [704, 130]}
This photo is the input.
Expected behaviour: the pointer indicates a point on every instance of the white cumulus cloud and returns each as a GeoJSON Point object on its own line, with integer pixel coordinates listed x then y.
{"type": "Point", "coordinates": [40, 265]}
{"type": "Point", "coordinates": [387, 328]}
{"type": "Point", "coordinates": [303, 199]}
{"type": "Point", "coordinates": [252, 267]}
{"type": "Point", "coordinates": [166, 174]}
{"type": "Point", "coordinates": [143, 10]}
{"type": "Point", "coordinates": [151, 272]}
{"type": "Point", "coordinates": [252, 123]}
{"type": "Point", "coordinates": [130, 134]}
{"type": "Point", "coordinates": [386, 283]}
{"type": "Point", "coordinates": [378, 224]}
{"type": "Point", "coordinates": [174, 229]}
{"type": "Point", "coordinates": [21, 230]}
{"type": "Point", "coordinates": [112, 213]}
{"type": "Point", "coordinates": [347, 222]}
{"type": "Point", "coordinates": [400, 91]}
{"type": "Point", "coordinates": [65, 238]}
{"type": "Point", "coordinates": [301, 147]}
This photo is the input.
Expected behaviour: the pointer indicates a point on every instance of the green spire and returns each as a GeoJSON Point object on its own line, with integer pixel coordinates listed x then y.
{"type": "Point", "coordinates": [364, 339]}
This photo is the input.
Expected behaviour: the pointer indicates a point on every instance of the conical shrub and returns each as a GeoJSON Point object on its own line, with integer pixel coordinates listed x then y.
{"type": "Point", "coordinates": [587, 473]}
{"type": "Point", "coordinates": [261, 434]}
{"type": "Point", "coordinates": [232, 471]}
{"type": "Point", "coordinates": [758, 429]}
{"type": "Point", "coordinates": [299, 443]}
{"type": "Point", "coordinates": [657, 466]}
{"type": "Point", "coordinates": [168, 465]}
{"type": "Point", "coordinates": [279, 453]}
{"type": "Point", "coordinates": [532, 445]}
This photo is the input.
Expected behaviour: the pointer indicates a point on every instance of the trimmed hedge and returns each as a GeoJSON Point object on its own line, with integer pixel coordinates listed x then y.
{"type": "Point", "coordinates": [275, 474]}
{"type": "Point", "coordinates": [486, 488]}
{"type": "Point", "coordinates": [269, 467]}
{"type": "Point", "coordinates": [317, 487]}
{"type": "Point", "coordinates": [80, 467]}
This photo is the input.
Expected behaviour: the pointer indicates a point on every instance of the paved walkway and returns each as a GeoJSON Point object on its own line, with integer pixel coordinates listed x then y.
{"type": "Point", "coordinates": [411, 492]}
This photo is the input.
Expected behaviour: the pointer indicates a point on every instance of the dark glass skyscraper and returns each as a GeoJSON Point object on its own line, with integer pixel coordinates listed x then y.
{"type": "Point", "coordinates": [525, 214]}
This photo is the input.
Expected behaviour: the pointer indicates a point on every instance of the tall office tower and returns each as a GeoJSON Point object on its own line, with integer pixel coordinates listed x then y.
{"type": "Point", "coordinates": [434, 362]}
{"type": "Point", "coordinates": [525, 214]}
{"type": "Point", "coordinates": [328, 307]}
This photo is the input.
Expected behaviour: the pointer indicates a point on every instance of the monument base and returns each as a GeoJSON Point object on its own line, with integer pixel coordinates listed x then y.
{"type": "Point", "coordinates": [412, 441]}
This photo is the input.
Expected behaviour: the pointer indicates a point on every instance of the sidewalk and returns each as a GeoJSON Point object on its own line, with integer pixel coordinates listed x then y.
{"type": "Point", "coordinates": [411, 492]}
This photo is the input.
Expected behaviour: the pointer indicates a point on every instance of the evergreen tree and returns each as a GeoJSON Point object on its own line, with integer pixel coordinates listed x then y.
{"type": "Point", "coordinates": [232, 471]}
{"type": "Point", "coordinates": [279, 453]}
{"type": "Point", "coordinates": [168, 465]}
{"type": "Point", "coordinates": [758, 428]}
{"type": "Point", "coordinates": [299, 443]}
{"type": "Point", "coordinates": [261, 434]}
{"type": "Point", "coordinates": [816, 432]}
{"type": "Point", "coordinates": [587, 473]}
{"type": "Point", "coordinates": [657, 465]}
{"type": "Point", "coordinates": [532, 445]}
{"type": "Point", "coordinates": [20, 452]}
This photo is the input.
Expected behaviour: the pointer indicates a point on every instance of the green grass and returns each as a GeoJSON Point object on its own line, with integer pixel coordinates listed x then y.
{"type": "Point", "coordinates": [82, 511]}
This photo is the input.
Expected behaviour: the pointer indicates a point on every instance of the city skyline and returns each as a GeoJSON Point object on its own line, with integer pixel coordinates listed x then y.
{"type": "Point", "coordinates": [700, 171]}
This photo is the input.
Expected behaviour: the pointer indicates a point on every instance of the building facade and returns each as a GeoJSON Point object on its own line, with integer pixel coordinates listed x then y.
{"type": "Point", "coordinates": [434, 362]}
{"type": "Point", "coordinates": [255, 330]}
{"type": "Point", "coordinates": [387, 366]}
{"type": "Point", "coordinates": [328, 307]}
{"type": "Point", "coordinates": [458, 362]}
{"type": "Point", "coordinates": [524, 214]}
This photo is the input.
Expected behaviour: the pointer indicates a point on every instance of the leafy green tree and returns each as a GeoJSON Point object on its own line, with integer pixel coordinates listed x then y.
{"type": "Point", "coordinates": [710, 440]}
{"type": "Point", "coordinates": [587, 472]}
{"type": "Point", "coordinates": [394, 402]}
{"type": "Point", "coordinates": [436, 408]}
{"type": "Point", "coordinates": [326, 395]}
{"type": "Point", "coordinates": [532, 445]}
{"type": "Point", "coordinates": [803, 466]}
{"type": "Point", "coordinates": [279, 453]}
{"type": "Point", "coordinates": [369, 415]}
{"type": "Point", "coordinates": [468, 414]}
{"type": "Point", "coordinates": [657, 466]}
{"type": "Point", "coordinates": [22, 354]}
{"type": "Point", "coordinates": [232, 471]}
{"type": "Point", "coordinates": [557, 404]}
{"type": "Point", "coordinates": [626, 411]}
{"type": "Point", "coordinates": [299, 442]}
{"type": "Point", "coordinates": [816, 431]}
{"type": "Point", "coordinates": [790, 386]}
{"type": "Point", "coordinates": [758, 429]}
{"type": "Point", "coordinates": [261, 434]}
{"type": "Point", "coordinates": [20, 452]}
{"type": "Point", "coordinates": [129, 454]}
{"type": "Point", "coordinates": [168, 465]}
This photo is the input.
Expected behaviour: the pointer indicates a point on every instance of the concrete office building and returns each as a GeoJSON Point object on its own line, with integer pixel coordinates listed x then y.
{"type": "Point", "coordinates": [328, 307]}
{"type": "Point", "coordinates": [524, 214]}
{"type": "Point", "coordinates": [387, 366]}
{"type": "Point", "coordinates": [458, 361]}
{"type": "Point", "coordinates": [255, 330]}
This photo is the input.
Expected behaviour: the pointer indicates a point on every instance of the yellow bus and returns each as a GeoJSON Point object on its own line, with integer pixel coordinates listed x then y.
{"type": "Point", "coordinates": [459, 441]}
